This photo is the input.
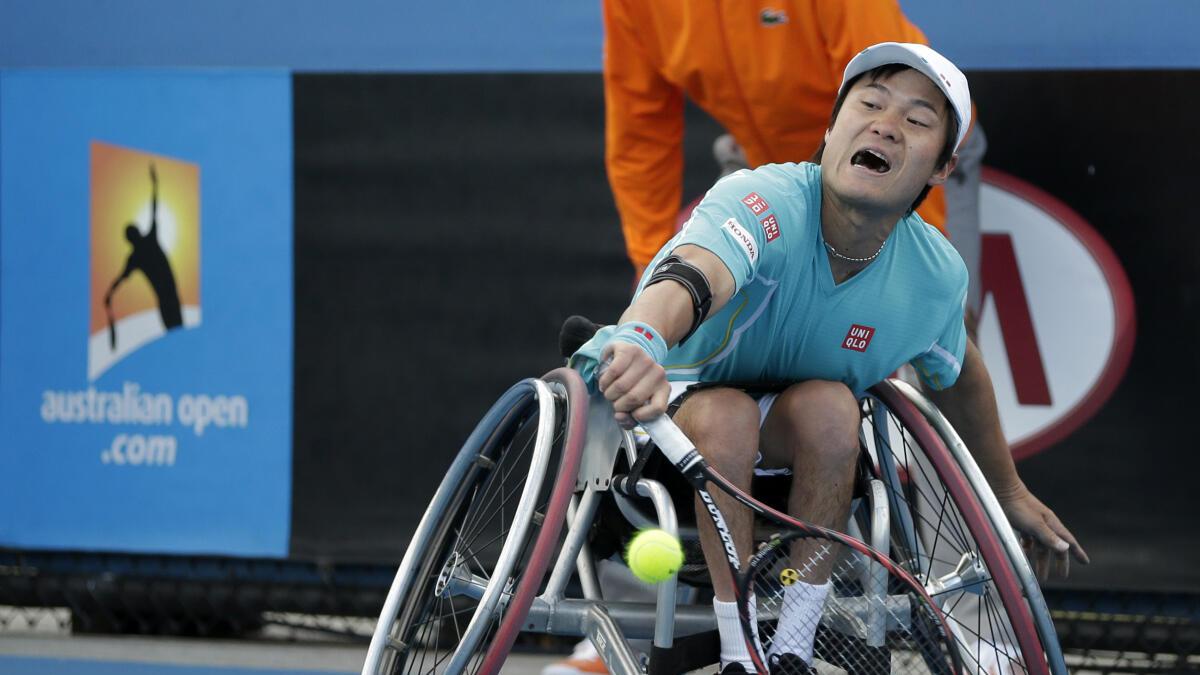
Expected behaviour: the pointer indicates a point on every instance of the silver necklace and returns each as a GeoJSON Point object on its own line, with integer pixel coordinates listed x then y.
{"type": "Point", "coordinates": [833, 251]}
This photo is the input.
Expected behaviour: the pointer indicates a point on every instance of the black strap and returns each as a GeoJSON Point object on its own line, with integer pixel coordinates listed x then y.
{"type": "Point", "coordinates": [627, 484]}
{"type": "Point", "coordinates": [690, 277]}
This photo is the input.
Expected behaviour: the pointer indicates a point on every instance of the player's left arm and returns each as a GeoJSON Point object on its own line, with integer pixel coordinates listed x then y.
{"type": "Point", "coordinates": [970, 405]}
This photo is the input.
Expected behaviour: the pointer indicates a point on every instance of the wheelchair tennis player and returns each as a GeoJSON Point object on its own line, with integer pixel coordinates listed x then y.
{"type": "Point", "coordinates": [818, 274]}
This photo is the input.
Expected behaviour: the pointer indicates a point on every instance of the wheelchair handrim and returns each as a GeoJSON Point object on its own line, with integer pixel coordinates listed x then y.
{"type": "Point", "coordinates": [574, 434]}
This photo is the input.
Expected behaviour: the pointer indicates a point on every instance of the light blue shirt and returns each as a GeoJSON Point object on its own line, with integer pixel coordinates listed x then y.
{"type": "Point", "coordinates": [787, 320]}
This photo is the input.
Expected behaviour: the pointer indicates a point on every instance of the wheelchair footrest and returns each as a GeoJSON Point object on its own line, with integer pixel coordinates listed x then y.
{"type": "Point", "coordinates": [688, 653]}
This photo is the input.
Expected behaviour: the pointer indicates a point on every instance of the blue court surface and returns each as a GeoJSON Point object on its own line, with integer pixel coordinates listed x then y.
{"type": "Point", "coordinates": [24, 665]}
{"type": "Point", "coordinates": [64, 654]}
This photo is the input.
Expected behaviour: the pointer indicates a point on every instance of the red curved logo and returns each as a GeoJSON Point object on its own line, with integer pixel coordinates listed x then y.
{"type": "Point", "coordinates": [1058, 321]}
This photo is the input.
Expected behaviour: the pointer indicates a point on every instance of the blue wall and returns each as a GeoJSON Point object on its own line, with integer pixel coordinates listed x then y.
{"type": "Point", "coordinates": [545, 35]}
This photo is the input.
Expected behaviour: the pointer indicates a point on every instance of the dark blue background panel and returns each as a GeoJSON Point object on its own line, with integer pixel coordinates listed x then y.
{"type": "Point", "coordinates": [448, 246]}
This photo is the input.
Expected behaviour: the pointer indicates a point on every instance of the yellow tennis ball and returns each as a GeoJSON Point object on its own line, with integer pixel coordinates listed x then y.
{"type": "Point", "coordinates": [654, 555]}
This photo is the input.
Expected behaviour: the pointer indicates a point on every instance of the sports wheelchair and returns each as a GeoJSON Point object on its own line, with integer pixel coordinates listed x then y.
{"type": "Point", "coordinates": [491, 556]}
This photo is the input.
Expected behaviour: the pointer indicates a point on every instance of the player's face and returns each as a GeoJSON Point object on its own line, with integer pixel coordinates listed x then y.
{"type": "Point", "coordinates": [884, 145]}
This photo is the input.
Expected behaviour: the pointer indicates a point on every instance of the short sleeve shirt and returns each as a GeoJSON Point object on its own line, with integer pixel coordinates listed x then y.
{"type": "Point", "coordinates": [787, 320]}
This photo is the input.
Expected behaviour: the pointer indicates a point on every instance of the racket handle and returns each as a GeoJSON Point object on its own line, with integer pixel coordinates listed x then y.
{"type": "Point", "coordinates": [673, 443]}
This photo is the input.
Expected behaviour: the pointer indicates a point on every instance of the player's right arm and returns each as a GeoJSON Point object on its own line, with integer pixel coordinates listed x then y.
{"type": "Point", "coordinates": [633, 381]}
{"type": "Point", "coordinates": [153, 204]}
{"type": "Point", "coordinates": [643, 129]}
{"type": "Point", "coordinates": [723, 241]}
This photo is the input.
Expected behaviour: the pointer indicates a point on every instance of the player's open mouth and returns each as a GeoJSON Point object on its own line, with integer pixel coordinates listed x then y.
{"type": "Point", "coordinates": [872, 160]}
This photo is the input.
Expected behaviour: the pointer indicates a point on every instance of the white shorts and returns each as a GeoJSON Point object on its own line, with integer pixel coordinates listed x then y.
{"type": "Point", "coordinates": [765, 401]}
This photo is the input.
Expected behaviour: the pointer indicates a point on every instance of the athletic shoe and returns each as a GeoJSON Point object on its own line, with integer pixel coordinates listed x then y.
{"type": "Point", "coordinates": [734, 668]}
{"type": "Point", "coordinates": [585, 659]}
{"type": "Point", "coordinates": [789, 664]}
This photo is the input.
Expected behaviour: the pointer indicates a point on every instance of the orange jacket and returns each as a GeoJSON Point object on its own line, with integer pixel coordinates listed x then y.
{"type": "Point", "coordinates": [767, 70]}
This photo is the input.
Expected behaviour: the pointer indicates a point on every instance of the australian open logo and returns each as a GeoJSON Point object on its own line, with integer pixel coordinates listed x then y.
{"type": "Point", "coordinates": [145, 246]}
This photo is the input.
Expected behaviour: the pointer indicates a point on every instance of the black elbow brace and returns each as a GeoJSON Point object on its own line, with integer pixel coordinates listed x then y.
{"type": "Point", "coordinates": [690, 277]}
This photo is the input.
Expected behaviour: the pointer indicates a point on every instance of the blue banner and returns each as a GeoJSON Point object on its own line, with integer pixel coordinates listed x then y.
{"type": "Point", "coordinates": [531, 35]}
{"type": "Point", "coordinates": [146, 311]}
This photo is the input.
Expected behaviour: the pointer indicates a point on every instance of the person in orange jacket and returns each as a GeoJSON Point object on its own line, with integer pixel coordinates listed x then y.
{"type": "Point", "coordinates": [768, 72]}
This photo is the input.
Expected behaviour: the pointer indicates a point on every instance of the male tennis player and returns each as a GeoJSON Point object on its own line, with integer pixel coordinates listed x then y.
{"type": "Point", "coordinates": [148, 256]}
{"type": "Point", "coordinates": [821, 275]}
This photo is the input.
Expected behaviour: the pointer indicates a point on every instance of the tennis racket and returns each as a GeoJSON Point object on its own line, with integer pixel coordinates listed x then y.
{"type": "Point", "coordinates": [851, 626]}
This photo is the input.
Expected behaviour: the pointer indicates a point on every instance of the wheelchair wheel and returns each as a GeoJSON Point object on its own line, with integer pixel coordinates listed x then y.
{"type": "Point", "coordinates": [478, 557]}
{"type": "Point", "coordinates": [943, 535]}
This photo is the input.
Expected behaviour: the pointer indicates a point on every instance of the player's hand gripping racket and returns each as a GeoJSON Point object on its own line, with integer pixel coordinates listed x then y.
{"type": "Point", "coordinates": [856, 629]}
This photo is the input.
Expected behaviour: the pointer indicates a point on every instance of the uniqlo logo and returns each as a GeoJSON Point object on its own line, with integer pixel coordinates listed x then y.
{"type": "Point", "coordinates": [859, 338]}
{"type": "Point", "coordinates": [757, 204]}
{"type": "Point", "coordinates": [770, 227]}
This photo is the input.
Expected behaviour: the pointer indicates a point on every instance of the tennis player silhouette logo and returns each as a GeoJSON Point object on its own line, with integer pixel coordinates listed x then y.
{"type": "Point", "coordinates": [148, 258]}
{"type": "Point", "coordinates": [145, 250]}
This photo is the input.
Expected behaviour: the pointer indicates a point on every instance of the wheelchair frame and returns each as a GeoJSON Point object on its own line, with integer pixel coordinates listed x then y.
{"type": "Point", "coordinates": [591, 443]}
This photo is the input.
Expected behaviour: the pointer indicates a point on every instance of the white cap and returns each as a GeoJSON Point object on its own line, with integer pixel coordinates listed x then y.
{"type": "Point", "coordinates": [933, 65]}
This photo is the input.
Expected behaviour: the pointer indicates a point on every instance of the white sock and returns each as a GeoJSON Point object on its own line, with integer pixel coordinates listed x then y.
{"type": "Point", "coordinates": [798, 619]}
{"type": "Point", "coordinates": [733, 645]}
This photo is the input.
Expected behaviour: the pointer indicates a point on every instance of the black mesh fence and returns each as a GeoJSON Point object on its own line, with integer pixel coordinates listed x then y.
{"type": "Point", "coordinates": [202, 596]}
{"type": "Point", "coordinates": [1128, 632]}
{"type": "Point", "coordinates": [1101, 631]}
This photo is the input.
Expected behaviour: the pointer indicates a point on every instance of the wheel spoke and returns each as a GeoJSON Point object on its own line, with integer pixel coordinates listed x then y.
{"type": "Point", "coordinates": [453, 612]}
{"type": "Point", "coordinates": [937, 535]}
{"type": "Point", "coordinates": [469, 541]}
{"type": "Point", "coordinates": [500, 476]}
{"type": "Point", "coordinates": [441, 621]}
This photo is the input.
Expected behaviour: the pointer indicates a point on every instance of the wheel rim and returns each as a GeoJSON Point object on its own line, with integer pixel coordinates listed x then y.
{"type": "Point", "coordinates": [950, 545]}
{"type": "Point", "coordinates": [434, 623]}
